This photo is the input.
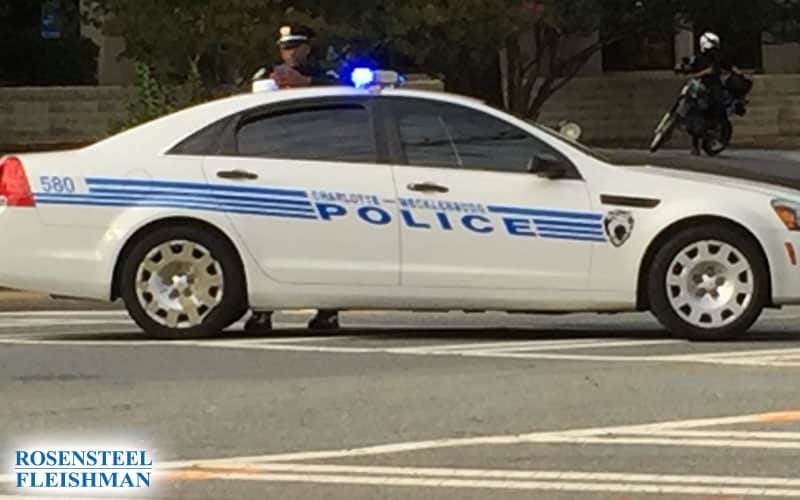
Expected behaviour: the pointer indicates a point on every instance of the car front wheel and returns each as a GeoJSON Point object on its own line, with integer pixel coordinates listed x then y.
{"type": "Point", "coordinates": [709, 282]}
{"type": "Point", "coordinates": [182, 282]}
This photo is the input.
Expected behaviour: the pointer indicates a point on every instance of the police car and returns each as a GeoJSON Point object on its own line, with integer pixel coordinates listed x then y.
{"type": "Point", "coordinates": [376, 196]}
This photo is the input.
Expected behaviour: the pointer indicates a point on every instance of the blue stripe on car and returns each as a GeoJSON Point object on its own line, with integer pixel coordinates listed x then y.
{"type": "Point", "coordinates": [68, 200]}
{"type": "Point", "coordinates": [191, 186]}
{"type": "Point", "coordinates": [212, 195]}
{"type": "Point", "coordinates": [194, 201]}
{"type": "Point", "coordinates": [539, 212]}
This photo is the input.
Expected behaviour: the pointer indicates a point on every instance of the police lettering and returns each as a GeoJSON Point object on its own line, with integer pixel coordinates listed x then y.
{"type": "Point", "coordinates": [440, 220]}
{"type": "Point", "coordinates": [375, 215]}
{"type": "Point", "coordinates": [408, 218]}
{"type": "Point", "coordinates": [519, 227]}
{"type": "Point", "coordinates": [442, 205]}
{"type": "Point", "coordinates": [348, 198]}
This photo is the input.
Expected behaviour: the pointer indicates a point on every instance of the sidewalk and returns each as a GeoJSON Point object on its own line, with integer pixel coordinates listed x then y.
{"type": "Point", "coordinates": [17, 300]}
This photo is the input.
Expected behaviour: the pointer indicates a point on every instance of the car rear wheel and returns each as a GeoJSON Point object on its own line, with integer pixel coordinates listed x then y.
{"type": "Point", "coordinates": [183, 282]}
{"type": "Point", "coordinates": [708, 282]}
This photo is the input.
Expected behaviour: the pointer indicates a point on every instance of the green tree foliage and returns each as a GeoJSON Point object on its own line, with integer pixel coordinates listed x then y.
{"type": "Point", "coordinates": [218, 36]}
{"type": "Point", "coordinates": [225, 41]}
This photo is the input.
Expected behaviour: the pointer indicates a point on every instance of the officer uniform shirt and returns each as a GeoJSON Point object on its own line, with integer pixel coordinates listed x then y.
{"type": "Point", "coordinates": [318, 75]}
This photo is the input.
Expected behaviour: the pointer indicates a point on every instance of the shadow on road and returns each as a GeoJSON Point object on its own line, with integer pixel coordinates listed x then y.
{"type": "Point", "coordinates": [444, 334]}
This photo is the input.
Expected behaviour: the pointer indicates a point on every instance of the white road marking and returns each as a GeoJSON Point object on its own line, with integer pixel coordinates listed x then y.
{"type": "Point", "coordinates": [530, 346]}
{"type": "Point", "coordinates": [283, 467]}
{"type": "Point", "coordinates": [739, 354]}
{"type": "Point", "coordinates": [520, 349]}
{"type": "Point", "coordinates": [235, 344]}
{"type": "Point", "coordinates": [443, 482]}
{"type": "Point", "coordinates": [705, 443]}
{"type": "Point", "coordinates": [532, 351]}
{"type": "Point", "coordinates": [508, 439]}
{"type": "Point", "coordinates": [533, 347]}
{"type": "Point", "coordinates": [500, 345]}
{"type": "Point", "coordinates": [539, 475]}
{"type": "Point", "coordinates": [776, 435]}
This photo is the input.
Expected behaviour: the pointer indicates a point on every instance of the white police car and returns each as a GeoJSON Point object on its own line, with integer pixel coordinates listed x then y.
{"type": "Point", "coordinates": [386, 198]}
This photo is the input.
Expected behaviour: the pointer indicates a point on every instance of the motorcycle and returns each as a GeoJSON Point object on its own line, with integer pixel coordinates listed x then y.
{"type": "Point", "coordinates": [690, 112]}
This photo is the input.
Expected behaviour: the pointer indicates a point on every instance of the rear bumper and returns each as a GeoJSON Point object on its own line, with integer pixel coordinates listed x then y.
{"type": "Point", "coordinates": [59, 260]}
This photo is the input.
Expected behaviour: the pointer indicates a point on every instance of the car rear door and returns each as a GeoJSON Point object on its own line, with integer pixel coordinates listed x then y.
{"type": "Point", "coordinates": [295, 182]}
{"type": "Point", "coordinates": [473, 215]}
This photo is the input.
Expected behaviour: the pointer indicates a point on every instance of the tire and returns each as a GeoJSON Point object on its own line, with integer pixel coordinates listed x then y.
{"type": "Point", "coordinates": [725, 134]}
{"type": "Point", "coordinates": [207, 293]}
{"type": "Point", "coordinates": [732, 295]}
{"type": "Point", "coordinates": [663, 132]}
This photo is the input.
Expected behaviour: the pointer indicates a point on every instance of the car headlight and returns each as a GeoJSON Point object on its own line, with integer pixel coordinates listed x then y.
{"type": "Point", "coordinates": [788, 212]}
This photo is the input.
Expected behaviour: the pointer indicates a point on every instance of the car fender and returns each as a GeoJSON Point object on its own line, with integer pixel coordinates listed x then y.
{"type": "Point", "coordinates": [617, 267]}
{"type": "Point", "coordinates": [130, 222]}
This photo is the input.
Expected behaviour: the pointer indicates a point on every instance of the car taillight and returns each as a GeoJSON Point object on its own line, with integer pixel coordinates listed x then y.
{"type": "Point", "coordinates": [15, 189]}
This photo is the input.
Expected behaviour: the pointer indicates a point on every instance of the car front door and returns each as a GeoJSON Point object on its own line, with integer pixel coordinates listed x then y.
{"type": "Point", "coordinates": [295, 180]}
{"type": "Point", "coordinates": [474, 216]}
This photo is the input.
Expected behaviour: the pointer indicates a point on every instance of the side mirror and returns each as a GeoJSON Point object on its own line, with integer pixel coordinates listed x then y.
{"type": "Point", "coordinates": [549, 168]}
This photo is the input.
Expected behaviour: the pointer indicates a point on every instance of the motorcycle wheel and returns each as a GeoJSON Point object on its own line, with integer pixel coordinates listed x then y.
{"type": "Point", "coordinates": [720, 138]}
{"type": "Point", "coordinates": [663, 131]}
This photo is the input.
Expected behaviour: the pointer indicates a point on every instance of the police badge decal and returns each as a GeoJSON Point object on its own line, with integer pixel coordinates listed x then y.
{"type": "Point", "coordinates": [619, 226]}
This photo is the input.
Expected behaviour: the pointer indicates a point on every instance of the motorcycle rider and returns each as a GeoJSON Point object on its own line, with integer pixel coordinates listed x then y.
{"type": "Point", "coordinates": [708, 68]}
{"type": "Point", "coordinates": [296, 71]}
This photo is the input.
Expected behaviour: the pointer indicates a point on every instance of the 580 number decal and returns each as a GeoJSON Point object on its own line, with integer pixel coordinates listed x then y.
{"type": "Point", "coordinates": [57, 184]}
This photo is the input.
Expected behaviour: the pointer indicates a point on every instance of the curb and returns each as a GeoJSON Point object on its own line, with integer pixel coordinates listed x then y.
{"type": "Point", "coordinates": [20, 300]}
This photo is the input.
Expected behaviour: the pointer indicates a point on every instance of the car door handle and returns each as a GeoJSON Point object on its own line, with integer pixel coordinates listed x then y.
{"type": "Point", "coordinates": [237, 175]}
{"type": "Point", "coordinates": [428, 187]}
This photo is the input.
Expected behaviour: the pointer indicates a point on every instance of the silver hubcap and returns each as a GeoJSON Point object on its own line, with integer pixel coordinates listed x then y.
{"type": "Point", "coordinates": [179, 283]}
{"type": "Point", "coordinates": [710, 284]}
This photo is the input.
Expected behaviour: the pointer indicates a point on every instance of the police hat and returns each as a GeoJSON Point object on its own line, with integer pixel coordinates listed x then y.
{"type": "Point", "coordinates": [294, 35]}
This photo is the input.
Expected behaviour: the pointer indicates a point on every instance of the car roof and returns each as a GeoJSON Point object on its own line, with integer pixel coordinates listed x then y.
{"type": "Point", "coordinates": [162, 133]}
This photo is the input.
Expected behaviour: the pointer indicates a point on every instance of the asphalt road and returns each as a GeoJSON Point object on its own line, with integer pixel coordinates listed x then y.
{"type": "Point", "coordinates": [417, 406]}
{"type": "Point", "coordinates": [777, 167]}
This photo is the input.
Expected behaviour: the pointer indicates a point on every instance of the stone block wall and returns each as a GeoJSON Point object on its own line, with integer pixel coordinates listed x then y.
{"type": "Point", "coordinates": [624, 109]}
{"type": "Point", "coordinates": [33, 118]}
{"type": "Point", "coordinates": [615, 110]}
{"type": "Point", "coordinates": [40, 118]}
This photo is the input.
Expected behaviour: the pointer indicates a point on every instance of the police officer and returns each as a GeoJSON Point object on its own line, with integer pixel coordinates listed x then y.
{"type": "Point", "coordinates": [297, 71]}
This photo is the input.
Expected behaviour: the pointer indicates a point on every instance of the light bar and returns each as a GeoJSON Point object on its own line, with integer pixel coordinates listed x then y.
{"type": "Point", "coordinates": [361, 77]}
{"type": "Point", "coordinates": [368, 78]}
{"type": "Point", "coordinates": [264, 85]}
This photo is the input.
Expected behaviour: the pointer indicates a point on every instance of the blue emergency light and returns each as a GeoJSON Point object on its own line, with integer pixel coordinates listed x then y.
{"type": "Point", "coordinates": [361, 77]}
{"type": "Point", "coordinates": [370, 78]}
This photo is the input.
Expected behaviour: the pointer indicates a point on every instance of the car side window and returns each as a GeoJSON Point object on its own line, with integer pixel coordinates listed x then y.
{"type": "Point", "coordinates": [205, 142]}
{"type": "Point", "coordinates": [437, 134]}
{"type": "Point", "coordinates": [321, 132]}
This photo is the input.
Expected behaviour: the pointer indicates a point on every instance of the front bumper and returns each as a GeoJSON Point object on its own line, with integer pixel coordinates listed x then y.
{"type": "Point", "coordinates": [783, 254]}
